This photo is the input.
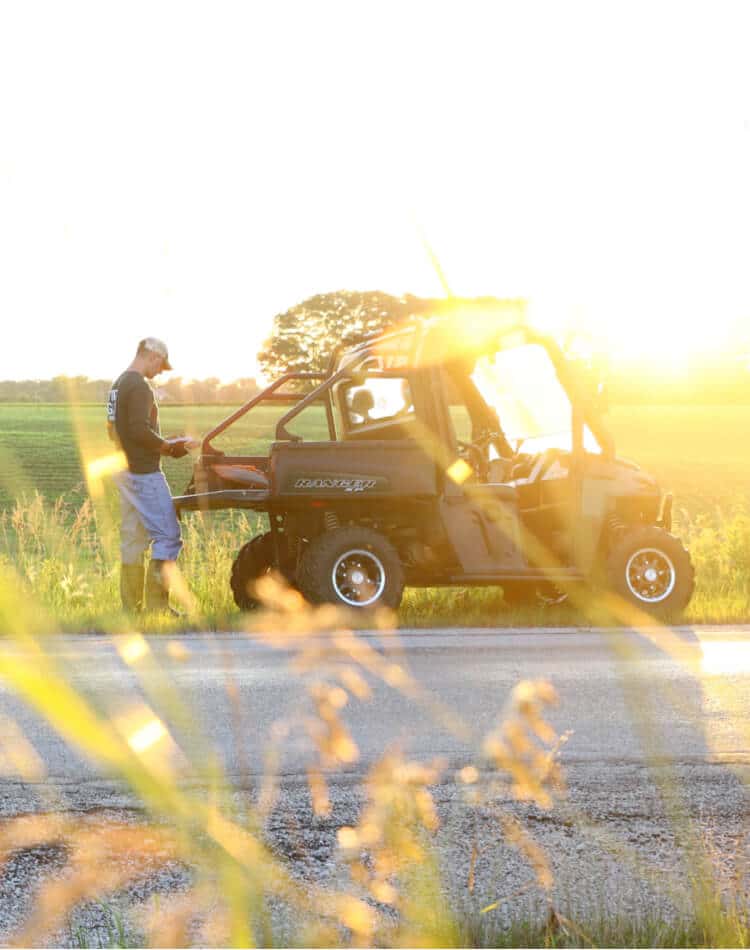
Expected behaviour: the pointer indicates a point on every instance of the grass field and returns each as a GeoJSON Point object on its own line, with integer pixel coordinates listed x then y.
{"type": "Point", "coordinates": [698, 453]}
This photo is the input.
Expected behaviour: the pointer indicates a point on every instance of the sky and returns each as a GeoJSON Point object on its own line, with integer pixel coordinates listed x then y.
{"type": "Point", "coordinates": [188, 170]}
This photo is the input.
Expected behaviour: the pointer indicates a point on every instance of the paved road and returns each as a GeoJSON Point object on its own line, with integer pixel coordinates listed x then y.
{"type": "Point", "coordinates": [613, 688]}
{"type": "Point", "coordinates": [633, 702]}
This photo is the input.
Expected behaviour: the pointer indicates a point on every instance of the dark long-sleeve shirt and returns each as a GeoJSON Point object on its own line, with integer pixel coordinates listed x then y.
{"type": "Point", "coordinates": [132, 410]}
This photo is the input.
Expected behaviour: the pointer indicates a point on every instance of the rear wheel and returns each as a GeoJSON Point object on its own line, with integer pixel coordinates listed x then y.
{"type": "Point", "coordinates": [352, 567]}
{"type": "Point", "coordinates": [650, 568]}
{"type": "Point", "coordinates": [253, 560]}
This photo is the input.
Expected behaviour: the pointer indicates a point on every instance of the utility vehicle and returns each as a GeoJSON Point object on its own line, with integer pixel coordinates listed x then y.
{"type": "Point", "coordinates": [460, 450]}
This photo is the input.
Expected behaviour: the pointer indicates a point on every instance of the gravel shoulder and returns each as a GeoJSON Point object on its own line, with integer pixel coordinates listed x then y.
{"type": "Point", "coordinates": [615, 845]}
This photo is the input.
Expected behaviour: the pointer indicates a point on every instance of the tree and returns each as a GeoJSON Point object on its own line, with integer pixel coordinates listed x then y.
{"type": "Point", "coordinates": [305, 336]}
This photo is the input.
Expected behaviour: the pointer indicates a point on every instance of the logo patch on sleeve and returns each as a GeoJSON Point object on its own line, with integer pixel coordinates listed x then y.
{"type": "Point", "coordinates": [112, 405]}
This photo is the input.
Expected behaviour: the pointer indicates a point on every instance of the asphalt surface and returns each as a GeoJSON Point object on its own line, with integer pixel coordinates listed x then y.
{"type": "Point", "coordinates": [658, 749]}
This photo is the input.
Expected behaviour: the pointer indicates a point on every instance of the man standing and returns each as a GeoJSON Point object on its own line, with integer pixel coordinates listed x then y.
{"type": "Point", "coordinates": [148, 515]}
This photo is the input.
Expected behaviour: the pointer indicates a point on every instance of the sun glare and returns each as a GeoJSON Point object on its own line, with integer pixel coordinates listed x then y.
{"type": "Point", "coordinates": [645, 333]}
{"type": "Point", "coordinates": [725, 657]}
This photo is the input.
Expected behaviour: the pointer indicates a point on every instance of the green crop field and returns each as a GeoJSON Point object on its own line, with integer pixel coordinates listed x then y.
{"type": "Point", "coordinates": [43, 447]}
{"type": "Point", "coordinates": [698, 453]}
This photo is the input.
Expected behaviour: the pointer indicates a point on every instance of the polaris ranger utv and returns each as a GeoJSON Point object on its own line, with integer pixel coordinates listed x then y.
{"type": "Point", "coordinates": [459, 450]}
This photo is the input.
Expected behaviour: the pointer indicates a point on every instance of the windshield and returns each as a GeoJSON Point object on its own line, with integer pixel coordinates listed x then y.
{"type": "Point", "coordinates": [534, 410]}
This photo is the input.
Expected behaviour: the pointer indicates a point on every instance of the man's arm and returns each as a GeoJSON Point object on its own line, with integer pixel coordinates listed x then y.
{"type": "Point", "coordinates": [141, 430]}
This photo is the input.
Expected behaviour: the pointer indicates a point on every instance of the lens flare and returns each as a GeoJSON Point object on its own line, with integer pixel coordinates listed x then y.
{"type": "Point", "coordinates": [132, 649]}
{"type": "Point", "coordinates": [459, 471]}
{"type": "Point", "coordinates": [106, 465]}
{"type": "Point", "coordinates": [147, 736]}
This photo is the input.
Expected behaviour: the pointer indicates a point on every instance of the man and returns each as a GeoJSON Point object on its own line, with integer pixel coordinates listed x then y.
{"type": "Point", "coordinates": [148, 515]}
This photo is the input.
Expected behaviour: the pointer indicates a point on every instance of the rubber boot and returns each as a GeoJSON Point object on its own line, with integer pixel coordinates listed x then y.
{"type": "Point", "coordinates": [131, 586]}
{"type": "Point", "coordinates": [157, 592]}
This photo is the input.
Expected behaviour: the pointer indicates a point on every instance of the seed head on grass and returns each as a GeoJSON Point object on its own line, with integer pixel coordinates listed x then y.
{"type": "Point", "coordinates": [524, 746]}
{"type": "Point", "coordinates": [388, 851]}
{"type": "Point", "coordinates": [101, 859]}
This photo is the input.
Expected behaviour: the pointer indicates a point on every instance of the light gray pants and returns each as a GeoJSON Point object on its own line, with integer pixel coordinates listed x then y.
{"type": "Point", "coordinates": [148, 517]}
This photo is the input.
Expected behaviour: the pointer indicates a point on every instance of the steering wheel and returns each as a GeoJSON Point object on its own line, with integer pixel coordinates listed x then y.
{"type": "Point", "coordinates": [475, 456]}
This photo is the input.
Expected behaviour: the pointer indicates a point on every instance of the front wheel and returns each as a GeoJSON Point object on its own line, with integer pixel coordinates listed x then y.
{"type": "Point", "coordinates": [253, 561]}
{"type": "Point", "coordinates": [651, 569]}
{"type": "Point", "coordinates": [352, 567]}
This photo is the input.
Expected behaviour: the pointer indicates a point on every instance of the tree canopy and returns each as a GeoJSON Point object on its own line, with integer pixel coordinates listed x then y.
{"type": "Point", "coordinates": [304, 336]}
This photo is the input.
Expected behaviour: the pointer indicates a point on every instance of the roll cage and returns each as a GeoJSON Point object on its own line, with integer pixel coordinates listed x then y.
{"type": "Point", "coordinates": [416, 349]}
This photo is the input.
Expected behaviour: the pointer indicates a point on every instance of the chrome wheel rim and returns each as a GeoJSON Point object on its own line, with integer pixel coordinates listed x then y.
{"type": "Point", "coordinates": [358, 578]}
{"type": "Point", "coordinates": [650, 575]}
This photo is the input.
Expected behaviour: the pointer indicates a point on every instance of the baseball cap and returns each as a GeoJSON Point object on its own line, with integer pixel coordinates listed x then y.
{"type": "Point", "coordinates": [157, 346]}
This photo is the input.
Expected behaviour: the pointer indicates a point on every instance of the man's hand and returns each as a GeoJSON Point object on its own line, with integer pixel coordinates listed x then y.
{"type": "Point", "coordinates": [179, 447]}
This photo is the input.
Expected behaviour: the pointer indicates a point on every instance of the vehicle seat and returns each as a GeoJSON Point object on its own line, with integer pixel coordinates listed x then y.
{"type": "Point", "coordinates": [248, 476]}
{"type": "Point", "coordinates": [362, 404]}
{"type": "Point", "coordinates": [499, 471]}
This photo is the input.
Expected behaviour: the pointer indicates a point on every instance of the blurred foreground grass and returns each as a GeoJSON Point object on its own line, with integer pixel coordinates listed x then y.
{"type": "Point", "coordinates": [393, 896]}
{"type": "Point", "coordinates": [58, 571]}
{"type": "Point", "coordinates": [392, 892]}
